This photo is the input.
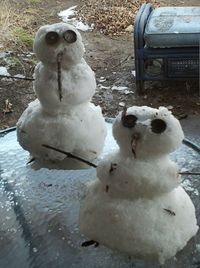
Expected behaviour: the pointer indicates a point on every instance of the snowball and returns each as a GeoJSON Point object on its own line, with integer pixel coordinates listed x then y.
{"type": "Point", "coordinates": [148, 144]}
{"type": "Point", "coordinates": [141, 228]}
{"type": "Point", "coordinates": [68, 132]}
{"type": "Point", "coordinates": [47, 53]}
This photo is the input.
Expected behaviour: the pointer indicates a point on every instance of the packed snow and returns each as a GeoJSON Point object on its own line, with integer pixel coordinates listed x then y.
{"type": "Point", "coordinates": [62, 116]}
{"type": "Point", "coordinates": [137, 205]}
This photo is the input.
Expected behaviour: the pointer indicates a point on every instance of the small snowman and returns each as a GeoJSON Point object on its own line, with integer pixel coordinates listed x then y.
{"type": "Point", "coordinates": [62, 116]}
{"type": "Point", "coordinates": [137, 205]}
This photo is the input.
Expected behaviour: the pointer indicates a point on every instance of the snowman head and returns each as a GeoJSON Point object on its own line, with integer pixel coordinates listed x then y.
{"type": "Point", "coordinates": [147, 132]}
{"type": "Point", "coordinates": [58, 41]}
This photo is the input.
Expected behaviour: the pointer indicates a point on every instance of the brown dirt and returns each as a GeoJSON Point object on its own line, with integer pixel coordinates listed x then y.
{"type": "Point", "coordinates": [110, 57]}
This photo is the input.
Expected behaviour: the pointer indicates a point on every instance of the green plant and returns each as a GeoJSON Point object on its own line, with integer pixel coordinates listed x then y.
{"type": "Point", "coordinates": [23, 36]}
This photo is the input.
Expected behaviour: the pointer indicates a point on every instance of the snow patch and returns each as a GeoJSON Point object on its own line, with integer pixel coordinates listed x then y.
{"type": "Point", "coordinates": [119, 88]}
{"type": "Point", "coordinates": [123, 89]}
{"type": "Point", "coordinates": [69, 16]}
{"type": "Point", "coordinates": [19, 76]}
{"type": "Point", "coordinates": [133, 73]}
{"type": "Point", "coordinates": [3, 71]}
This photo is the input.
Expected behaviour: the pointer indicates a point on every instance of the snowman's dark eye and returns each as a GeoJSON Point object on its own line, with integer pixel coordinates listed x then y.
{"type": "Point", "coordinates": [158, 126]}
{"type": "Point", "coordinates": [129, 121]}
{"type": "Point", "coordinates": [52, 38]}
{"type": "Point", "coordinates": [70, 36]}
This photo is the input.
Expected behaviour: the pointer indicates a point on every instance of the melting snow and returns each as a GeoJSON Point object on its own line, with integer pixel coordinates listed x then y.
{"type": "Point", "coordinates": [69, 16]}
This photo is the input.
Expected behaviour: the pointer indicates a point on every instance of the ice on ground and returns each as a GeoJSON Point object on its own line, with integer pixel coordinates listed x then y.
{"type": "Point", "coordinates": [70, 16]}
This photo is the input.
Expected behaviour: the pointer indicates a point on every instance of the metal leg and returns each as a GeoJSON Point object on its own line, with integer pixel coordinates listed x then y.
{"type": "Point", "coordinates": [140, 87]}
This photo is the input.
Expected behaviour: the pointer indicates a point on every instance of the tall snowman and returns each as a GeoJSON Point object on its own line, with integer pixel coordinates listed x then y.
{"type": "Point", "coordinates": [62, 116]}
{"type": "Point", "coordinates": [137, 205]}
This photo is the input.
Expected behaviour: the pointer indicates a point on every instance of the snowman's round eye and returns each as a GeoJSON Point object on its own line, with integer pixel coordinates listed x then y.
{"type": "Point", "coordinates": [129, 121]}
{"type": "Point", "coordinates": [70, 36]}
{"type": "Point", "coordinates": [52, 38]}
{"type": "Point", "coordinates": [158, 126]}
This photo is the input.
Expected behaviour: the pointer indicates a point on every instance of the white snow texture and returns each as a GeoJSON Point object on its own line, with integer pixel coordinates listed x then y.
{"type": "Point", "coordinates": [68, 121]}
{"type": "Point", "coordinates": [137, 205]}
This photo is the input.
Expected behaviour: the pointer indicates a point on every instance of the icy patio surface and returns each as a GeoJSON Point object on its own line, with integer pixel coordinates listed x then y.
{"type": "Point", "coordinates": [39, 212]}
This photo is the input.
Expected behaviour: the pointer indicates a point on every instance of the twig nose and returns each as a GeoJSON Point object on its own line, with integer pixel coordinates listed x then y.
{"type": "Point", "coordinates": [134, 141]}
{"type": "Point", "coordinates": [59, 73]}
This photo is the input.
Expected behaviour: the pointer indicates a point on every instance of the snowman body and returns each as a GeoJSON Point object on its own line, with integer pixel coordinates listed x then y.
{"type": "Point", "coordinates": [78, 86]}
{"type": "Point", "coordinates": [63, 115]}
{"type": "Point", "coordinates": [137, 205]}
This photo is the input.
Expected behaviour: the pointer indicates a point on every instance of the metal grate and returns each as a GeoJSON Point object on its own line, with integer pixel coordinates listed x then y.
{"type": "Point", "coordinates": [183, 67]}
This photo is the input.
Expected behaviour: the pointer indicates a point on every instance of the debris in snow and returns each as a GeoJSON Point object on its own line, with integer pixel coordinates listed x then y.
{"type": "Point", "coordinates": [8, 107]}
{"type": "Point", "coordinates": [69, 16]}
{"type": "Point", "coordinates": [3, 71]}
